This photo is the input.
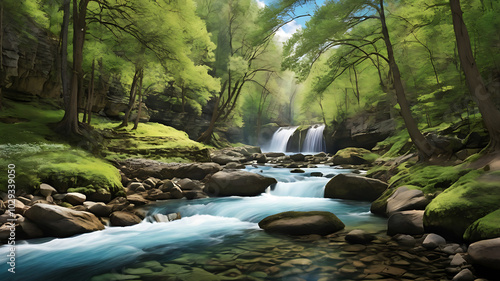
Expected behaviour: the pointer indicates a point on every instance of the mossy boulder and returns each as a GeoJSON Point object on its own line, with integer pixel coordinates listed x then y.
{"type": "Point", "coordinates": [469, 199]}
{"type": "Point", "coordinates": [302, 223]}
{"type": "Point", "coordinates": [237, 183]}
{"type": "Point", "coordinates": [354, 156]}
{"type": "Point", "coordinates": [487, 227]}
{"type": "Point", "coordinates": [379, 206]}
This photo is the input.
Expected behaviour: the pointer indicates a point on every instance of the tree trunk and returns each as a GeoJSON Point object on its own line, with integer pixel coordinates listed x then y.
{"type": "Point", "coordinates": [69, 123]}
{"type": "Point", "coordinates": [486, 105]}
{"type": "Point", "coordinates": [425, 149]}
{"type": "Point", "coordinates": [1, 54]}
{"type": "Point", "coordinates": [131, 99]}
{"type": "Point", "coordinates": [90, 98]}
{"type": "Point", "coordinates": [139, 111]}
{"type": "Point", "coordinates": [206, 136]}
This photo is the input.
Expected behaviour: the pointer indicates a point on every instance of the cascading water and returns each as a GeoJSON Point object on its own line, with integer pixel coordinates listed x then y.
{"type": "Point", "coordinates": [280, 139]}
{"type": "Point", "coordinates": [314, 141]}
{"type": "Point", "coordinates": [205, 225]}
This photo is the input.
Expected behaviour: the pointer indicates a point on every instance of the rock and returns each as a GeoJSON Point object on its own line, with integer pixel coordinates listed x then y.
{"type": "Point", "coordinates": [136, 187]}
{"type": "Point", "coordinates": [485, 253]}
{"type": "Point", "coordinates": [358, 236]}
{"type": "Point", "coordinates": [120, 218]}
{"type": "Point", "coordinates": [353, 156]}
{"type": "Point", "coordinates": [464, 275]}
{"type": "Point", "coordinates": [194, 194]}
{"type": "Point", "coordinates": [458, 260]}
{"type": "Point", "coordinates": [100, 195]}
{"type": "Point", "coordinates": [46, 190]}
{"type": "Point", "coordinates": [19, 206]}
{"type": "Point", "coordinates": [405, 240]}
{"type": "Point", "coordinates": [62, 222]}
{"type": "Point", "coordinates": [99, 209]}
{"type": "Point", "coordinates": [487, 227]}
{"type": "Point", "coordinates": [151, 181]}
{"type": "Point", "coordinates": [234, 166]}
{"type": "Point", "coordinates": [302, 223]}
{"type": "Point", "coordinates": [260, 157]}
{"type": "Point", "coordinates": [316, 174]}
{"type": "Point", "coordinates": [237, 183]}
{"type": "Point", "coordinates": [224, 156]}
{"type": "Point", "coordinates": [432, 241]}
{"type": "Point", "coordinates": [137, 199]}
{"type": "Point", "coordinates": [30, 229]}
{"type": "Point", "coordinates": [406, 222]}
{"type": "Point", "coordinates": [176, 192]}
{"type": "Point", "coordinates": [451, 249]}
{"type": "Point", "coordinates": [297, 171]}
{"type": "Point", "coordinates": [352, 187]}
{"type": "Point", "coordinates": [188, 184]}
{"type": "Point", "coordinates": [404, 199]}
{"type": "Point", "coordinates": [144, 168]}
{"type": "Point", "coordinates": [167, 185]}
{"type": "Point", "coordinates": [167, 218]}
{"type": "Point", "coordinates": [274, 154]}
{"type": "Point", "coordinates": [118, 204]}
{"type": "Point", "coordinates": [298, 157]}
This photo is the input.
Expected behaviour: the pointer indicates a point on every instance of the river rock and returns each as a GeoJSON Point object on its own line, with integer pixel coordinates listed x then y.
{"type": "Point", "coordinates": [145, 168]}
{"type": "Point", "coordinates": [484, 228]}
{"type": "Point", "coordinates": [432, 241]}
{"type": "Point", "coordinates": [353, 187]}
{"type": "Point", "coordinates": [234, 166]}
{"type": "Point", "coordinates": [62, 222]}
{"type": "Point", "coordinates": [406, 222]}
{"type": "Point", "coordinates": [359, 236]}
{"type": "Point", "coordinates": [302, 223]}
{"type": "Point", "coordinates": [486, 253]}
{"type": "Point", "coordinates": [137, 199]}
{"type": "Point", "coordinates": [406, 199]}
{"type": "Point", "coordinates": [100, 195]}
{"type": "Point", "coordinates": [188, 184]}
{"type": "Point", "coordinates": [30, 229]}
{"type": "Point", "coordinates": [297, 171]}
{"type": "Point", "coordinates": [75, 198]}
{"type": "Point", "coordinates": [464, 275]}
{"type": "Point", "coordinates": [98, 208]}
{"type": "Point", "coordinates": [46, 190]}
{"type": "Point", "coordinates": [120, 218]}
{"type": "Point", "coordinates": [298, 157]}
{"type": "Point", "coordinates": [224, 157]}
{"type": "Point", "coordinates": [261, 158]}
{"type": "Point", "coordinates": [352, 156]}
{"type": "Point", "coordinates": [275, 154]}
{"type": "Point", "coordinates": [237, 183]}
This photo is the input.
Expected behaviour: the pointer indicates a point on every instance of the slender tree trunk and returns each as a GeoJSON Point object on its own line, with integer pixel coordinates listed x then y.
{"type": "Point", "coordinates": [139, 111]}
{"type": "Point", "coordinates": [425, 149]}
{"type": "Point", "coordinates": [206, 136]}
{"type": "Point", "coordinates": [131, 99]}
{"type": "Point", "coordinates": [69, 123]}
{"type": "Point", "coordinates": [91, 93]}
{"type": "Point", "coordinates": [1, 54]}
{"type": "Point", "coordinates": [485, 103]}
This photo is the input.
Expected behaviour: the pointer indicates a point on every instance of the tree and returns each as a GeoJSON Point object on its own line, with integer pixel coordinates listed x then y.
{"type": "Point", "coordinates": [329, 27]}
{"type": "Point", "coordinates": [489, 111]}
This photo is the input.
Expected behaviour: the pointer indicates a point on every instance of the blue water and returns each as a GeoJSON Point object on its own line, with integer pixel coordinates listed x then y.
{"type": "Point", "coordinates": [205, 223]}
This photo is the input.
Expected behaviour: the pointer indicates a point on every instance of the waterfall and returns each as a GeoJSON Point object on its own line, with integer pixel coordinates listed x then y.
{"type": "Point", "coordinates": [315, 141]}
{"type": "Point", "coordinates": [280, 139]}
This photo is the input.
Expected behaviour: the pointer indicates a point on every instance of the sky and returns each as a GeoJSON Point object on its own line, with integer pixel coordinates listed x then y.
{"type": "Point", "coordinates": [288, 30]}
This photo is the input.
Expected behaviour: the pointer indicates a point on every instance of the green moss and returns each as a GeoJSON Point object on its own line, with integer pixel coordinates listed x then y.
{"type": "Point", "coordinates": [487, 227]}
{"type": "Point", "coordinates": [466, 201]}
{"type": "Point", "coordinates": [428, 178]}
{"type": "Point", "coordinates": [396, 144]}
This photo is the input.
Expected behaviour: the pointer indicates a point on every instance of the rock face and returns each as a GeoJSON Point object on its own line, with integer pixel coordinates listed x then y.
{"type": "Point", "coordinates": [486, 252]}
{"type": "Point", "coordinates": [352, 187]}
{"type": "Point", "coordinates": [143, 169]}
{"type": "Point", "coordinates": [120, 218]}
{"type": "Point", "coordinates": [302, 223]}
{"type": "Point", "coordinates": [406, 199]}
{"type": "Point", "coordinates": [237, 183]}
{"type": "Point", "coordinates": [406, 222]}
{"type": "Point", "coordinates": [62, 222]}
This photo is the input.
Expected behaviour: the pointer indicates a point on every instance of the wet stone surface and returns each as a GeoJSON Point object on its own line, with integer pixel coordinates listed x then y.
{"type": "Point", "coordinates": [269, 257]}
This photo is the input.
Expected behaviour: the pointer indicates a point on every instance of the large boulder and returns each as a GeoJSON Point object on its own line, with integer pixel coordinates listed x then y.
{"type": "Point", "coordinates": [485, 253]}
{"type": "Point", "coordinates": [406, 199]}
{"type": "Point", "coordinates": [237, 183]}
{"type": "Point", "coordinates": [487, 227]}
{"type": "Point", "coordinates": [352, 187]}
{"type": "Point", "coordinates": [143, 169]}
{"type": "Point", "coordinates": [459, 206]}
{"type": "Point", "coordinates": [406, 222]}
{"type": "Point", "coordinates": [223, 157]}
{"type": "Point", "coordinates": [353, 156]}
{"type": "Point", "coordinates": [62, 222]}
{"type": "Point", "coordinates": [302, 223]}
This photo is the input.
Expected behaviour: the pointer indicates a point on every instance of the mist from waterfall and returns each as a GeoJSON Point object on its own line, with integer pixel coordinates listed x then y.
{"type": "Point", "coordinates": [314, 141]}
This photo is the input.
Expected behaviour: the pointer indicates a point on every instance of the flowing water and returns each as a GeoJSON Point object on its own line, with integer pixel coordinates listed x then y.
{"type": "Point", "coordinates": [209, 228]}
{"type": "Point", "coordinates": [280, 139]}
{"type": "Point", "coordinates": [314, 141]}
